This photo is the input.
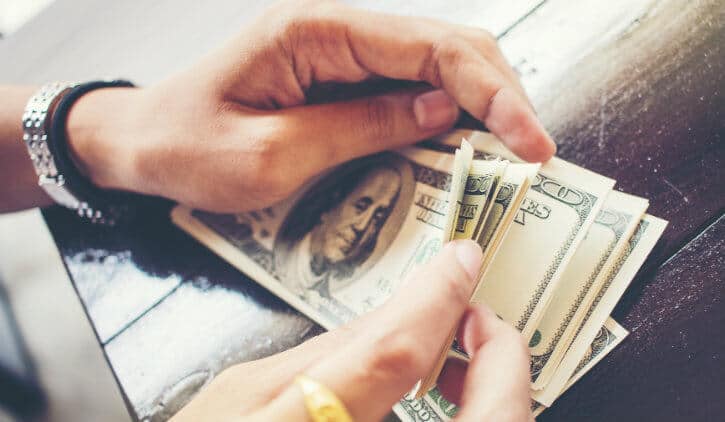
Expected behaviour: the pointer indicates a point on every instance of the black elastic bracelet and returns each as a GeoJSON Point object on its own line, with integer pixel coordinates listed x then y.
{"type": "Point", "coordinates": [114, 205]}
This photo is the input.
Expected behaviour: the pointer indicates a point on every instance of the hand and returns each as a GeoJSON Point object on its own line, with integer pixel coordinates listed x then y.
{"type": "Point", "coordinates": [234, 131]}
{"type": "Point", "coordinates": [371, 363]}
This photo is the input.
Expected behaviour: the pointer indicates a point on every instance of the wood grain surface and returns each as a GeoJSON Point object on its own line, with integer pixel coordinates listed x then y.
{"type": "Point", "coordinates": [630, 89]}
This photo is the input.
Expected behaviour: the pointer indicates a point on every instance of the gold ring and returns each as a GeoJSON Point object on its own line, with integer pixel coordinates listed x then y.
{"type": "Point", "coordinates": [322, 404]}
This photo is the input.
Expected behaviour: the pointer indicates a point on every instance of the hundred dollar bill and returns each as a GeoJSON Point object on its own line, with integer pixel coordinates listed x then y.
{"type": "Point", "coordinates": [581, 281]}
{"type": "Point", "coordinates": [607, 339]}
{"type": "Point", "coordinates": [337, 248]}
{"type": "Point", "coordinates": [461, 168]}
{"type": "Point", "coordinates": [558, 209]}
{"type": "Point", "coordinates": [628, 263]}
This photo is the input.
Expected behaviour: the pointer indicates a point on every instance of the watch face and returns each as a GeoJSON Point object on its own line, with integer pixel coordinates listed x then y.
{"type": "Point", "coordinates": [59, 193]}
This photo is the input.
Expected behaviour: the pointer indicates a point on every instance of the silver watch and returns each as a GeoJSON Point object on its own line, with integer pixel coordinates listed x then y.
{"type": "Point", "coordinates": [36, 121]}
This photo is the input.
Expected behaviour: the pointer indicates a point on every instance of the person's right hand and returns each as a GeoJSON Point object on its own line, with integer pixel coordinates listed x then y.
{"type": "Point", "coordinates": [373, 361]}
{"type": "Point", "coordinates": [234, 132]}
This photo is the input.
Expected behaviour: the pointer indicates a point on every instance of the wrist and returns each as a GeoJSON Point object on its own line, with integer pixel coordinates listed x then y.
{"type": "Point", "coordinates": [101, 139]}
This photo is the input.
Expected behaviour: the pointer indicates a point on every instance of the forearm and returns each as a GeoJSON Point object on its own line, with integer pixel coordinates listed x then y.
{"type": "Point", "coordinates": [96, 127]}
{"type": "Point", "coordinates": [18, 182]}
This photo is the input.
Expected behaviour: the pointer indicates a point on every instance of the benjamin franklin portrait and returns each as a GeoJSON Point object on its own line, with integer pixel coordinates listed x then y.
{"type": "Point", "coordinates": [343, 224]}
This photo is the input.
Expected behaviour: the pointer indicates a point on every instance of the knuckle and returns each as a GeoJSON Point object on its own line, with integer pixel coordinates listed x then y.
{"type": "Point", "coordinates": [269, 154]}
{"type": "Point", "coordinates": [391, 356]}
{"type": "Point", "coordinates": [451, 51]}
{"type": "Point", "coordinates": [486, 38]}
{"type": "Point", "coordinates": [295, 32]}
{"type": "Point", "coordinates": [265, 164]}
{"type": "Point", "coordinates": [297, 26]}
{"type": "Point", "coordinates": [308, 19]}
{"type": "Point", "coordinates": [270, 174]}
{"type": "Point", "coordinates": [479, 38]}
{"type": "Point", "coordinates": [447, 51]}
{"type": "Point", "coordinates": [490, 89]}
{"type": "Point", "coordinates": [378, 121]}
{"type": "Point", "coordinates": [429, 69]}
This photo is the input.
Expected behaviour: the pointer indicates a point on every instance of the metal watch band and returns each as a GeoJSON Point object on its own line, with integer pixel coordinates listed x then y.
{"type": "Point", "coordinates": [36, 120]}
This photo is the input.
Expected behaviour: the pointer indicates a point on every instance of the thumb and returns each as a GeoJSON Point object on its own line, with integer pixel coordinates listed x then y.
{"type": "Point", "coordinates": [338, 132]}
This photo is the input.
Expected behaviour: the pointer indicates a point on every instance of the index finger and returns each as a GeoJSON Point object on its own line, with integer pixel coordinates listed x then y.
{"type": "Point", "coordinates": [423, 50]}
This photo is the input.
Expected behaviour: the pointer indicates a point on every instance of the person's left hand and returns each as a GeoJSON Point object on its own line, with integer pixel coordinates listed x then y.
{"type": "Point", "coordinates": [372, 362]}
{"type": "Point", "coordinates": [235, 131]}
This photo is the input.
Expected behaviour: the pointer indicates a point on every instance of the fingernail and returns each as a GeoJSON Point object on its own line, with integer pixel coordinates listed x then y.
{"type": "Point", "coordinates": [511, 118]}
{"type": "Point", "coordinates": [552, 146]}
{"type": "Point", "coordinates": [469, 255]}
{"type": "Point", "coordinates": [435, 109]}
{"type": "Point", "coordinates": [546, 146]}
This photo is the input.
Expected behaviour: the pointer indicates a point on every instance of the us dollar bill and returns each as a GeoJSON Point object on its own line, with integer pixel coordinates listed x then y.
{"type": "Point", "coordinates": [581, 281]}
{"type": "Point", "coordinates": [337, 248]}
{"type": "Point", "coordinates": [638, 247]}
{"type": "Point", "coordinates": [609, 336]}
{"type": "Point", "coordinates": [556, 213]}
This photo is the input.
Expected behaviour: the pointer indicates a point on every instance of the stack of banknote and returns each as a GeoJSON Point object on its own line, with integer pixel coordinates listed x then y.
{"type": "Point", "coordinates": [560, 247]}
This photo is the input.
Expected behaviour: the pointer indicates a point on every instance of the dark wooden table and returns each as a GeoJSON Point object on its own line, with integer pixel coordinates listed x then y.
{"type": "Point", "coordinates": [630, 89]}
